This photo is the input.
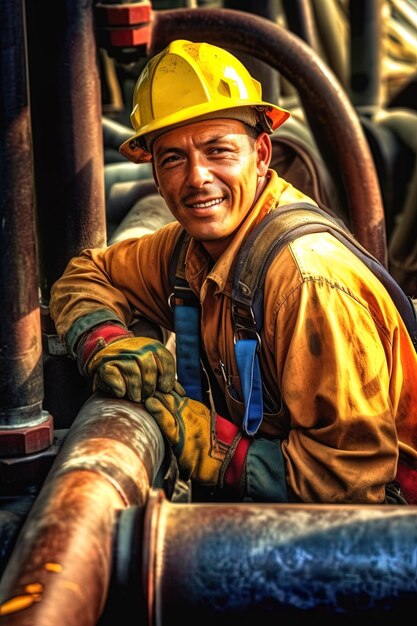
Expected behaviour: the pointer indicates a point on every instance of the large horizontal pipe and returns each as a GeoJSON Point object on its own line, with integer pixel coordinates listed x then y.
{"type": "Point", "coordinates": [60, 569]}
{"type": "Point", "coordinates": [278, 564]}
{"type": "Point", "coordinates": [333, 120]}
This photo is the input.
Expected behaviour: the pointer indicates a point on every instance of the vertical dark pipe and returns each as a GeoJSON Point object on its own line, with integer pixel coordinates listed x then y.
{"type": "Point", "coordinates": [365, 53]}
{"type": "Point", "coordinates": [21, 379]}
{"type": "Point", "coordinates": [265, 74]}
{"type": "Point", "coordinates": [65, 101]}
{"type": "Point", "coordinates": [330, 25]}
{"type": "Point", "coordinates": [67, 134]}
{"type": "Point", "coordinates": [264, 8]}
{"type": "Point", "coordinates": [299, 16]}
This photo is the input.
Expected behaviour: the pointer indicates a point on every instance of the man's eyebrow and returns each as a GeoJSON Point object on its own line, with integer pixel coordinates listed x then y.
{"type": "Point", "coordinates": [163, 151]}
{"type": "Point", "coordinates": [206, 142]}
{"type": "Point", "coordinates": [215, 138]}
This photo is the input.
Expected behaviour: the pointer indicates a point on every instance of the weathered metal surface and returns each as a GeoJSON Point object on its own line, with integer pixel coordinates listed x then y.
{"type": "Point", "coordinates": [35, 435]}
{"type": "Point", "coordinates": [21, 382]}
{"type": "Point", "coordinates": [60, 569]}
{"type": "Point", "coordinates": [67, 133]}
{"type": "Point", "coordinates": [278, 564]}
{"type": "Point", "coordinates": [333, 120]}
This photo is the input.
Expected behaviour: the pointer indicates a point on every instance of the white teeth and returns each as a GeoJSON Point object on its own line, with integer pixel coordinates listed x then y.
{"type": "Point", "coordinates": [201, 205]}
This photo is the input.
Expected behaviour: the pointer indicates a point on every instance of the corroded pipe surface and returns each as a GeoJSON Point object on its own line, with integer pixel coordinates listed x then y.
{"type": "Point", "coordinates": [67, 133]}
{"type": "Point", "coordinates": [278, 564]}
{"type": "Point", "coordinates": [60, 568]}
{"type": "Point", "coordinates": [333, 120]}
{"type": "Point", "coordinates": [21, 380]}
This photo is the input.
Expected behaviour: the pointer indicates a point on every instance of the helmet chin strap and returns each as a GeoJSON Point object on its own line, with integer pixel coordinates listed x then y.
{"type": "Point", "coordinates": [264, 121]}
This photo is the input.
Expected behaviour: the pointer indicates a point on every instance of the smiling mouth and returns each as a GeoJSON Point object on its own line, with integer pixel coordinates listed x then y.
{"type": "Point", "coordinates": [206, 205]}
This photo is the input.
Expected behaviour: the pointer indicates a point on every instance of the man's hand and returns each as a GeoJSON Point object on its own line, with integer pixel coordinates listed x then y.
{"type": "Point", "coordinates": [203, 442]}
{"type": "Point", "coordinates": [127, 366]}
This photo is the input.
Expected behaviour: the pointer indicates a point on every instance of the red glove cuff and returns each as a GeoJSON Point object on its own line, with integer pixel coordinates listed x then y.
{"type": "Point", "coordinates": [407, 479]}
{"type": "Point", "coordinates": [99, 337]}
{"type": "Point", "coordinates": [231, 435]}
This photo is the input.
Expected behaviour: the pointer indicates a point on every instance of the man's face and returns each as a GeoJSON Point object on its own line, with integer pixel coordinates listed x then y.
{"type": "Point", "coordinates": [208, 173]}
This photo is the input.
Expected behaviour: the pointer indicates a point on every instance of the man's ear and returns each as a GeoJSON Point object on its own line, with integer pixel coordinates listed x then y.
{"type": "Point", "coordinates": [263, 147]}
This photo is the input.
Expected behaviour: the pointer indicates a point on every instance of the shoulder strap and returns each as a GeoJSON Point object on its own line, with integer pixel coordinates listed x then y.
{"type": "Point", "coordinates": [186, 309]}
{"type": "Point", "coordinates": [275, 231]}
{"type": "Point", "coordinates": [280, 227]}
{"type": "Point", "coordinates": [177, 263]}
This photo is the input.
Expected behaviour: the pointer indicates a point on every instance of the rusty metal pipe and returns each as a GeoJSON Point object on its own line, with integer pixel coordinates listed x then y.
{"type": "Point", "coordinates": [60, 568]}
{"type": "Point", "coordinates": [333, 120]}
{"type": "Point", "coordinates": [66, 118]}
{"type": "Point", "coordinates": [67, 133]}
{"type": "Point", "coordinates": [278, 564]}
{"type": "Point", "coordinates": [21, 379]}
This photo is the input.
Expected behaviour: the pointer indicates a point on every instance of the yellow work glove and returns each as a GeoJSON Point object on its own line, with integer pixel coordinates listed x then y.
{"type": "Point", "coordinates": [209, 449]}
{"type": "Point", "coordinates": [124, 365]}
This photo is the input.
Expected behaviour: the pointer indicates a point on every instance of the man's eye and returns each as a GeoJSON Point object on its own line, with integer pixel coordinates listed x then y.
{"type": "Point", "coordinates": [220, 151]}
{"type": "Point", "coordinates": [170, 159]}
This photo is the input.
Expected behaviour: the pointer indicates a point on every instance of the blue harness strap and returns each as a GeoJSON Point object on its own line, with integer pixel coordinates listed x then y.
{"type": "Point", "coordinates": [246, 353]}
{"type": "Point", "coordinates": [188, 349]}
{"type": "Point", "coordinates": [187, 331]}
{"type": "Point", "coordinates": [186, 308]}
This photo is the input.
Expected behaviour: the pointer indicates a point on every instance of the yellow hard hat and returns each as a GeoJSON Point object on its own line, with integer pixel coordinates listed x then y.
{"type": "Point", "coordinates": [189, 80]}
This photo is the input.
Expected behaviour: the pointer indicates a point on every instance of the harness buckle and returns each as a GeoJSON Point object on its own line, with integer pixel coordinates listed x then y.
{"type": "Point", "coordinates": [248, 331]}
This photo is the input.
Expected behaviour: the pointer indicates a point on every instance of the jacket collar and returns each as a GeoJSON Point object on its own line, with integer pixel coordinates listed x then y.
{"type": "Point", "coordinates": [277, 192]}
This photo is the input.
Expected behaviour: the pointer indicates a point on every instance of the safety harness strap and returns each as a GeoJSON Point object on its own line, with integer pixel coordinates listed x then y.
{"type": "Point", "coordinates": [186, 308]}
{"type": "Point", "coordinates": [246, 353]}
{"type": "Point", "coordinates": [187, 330]}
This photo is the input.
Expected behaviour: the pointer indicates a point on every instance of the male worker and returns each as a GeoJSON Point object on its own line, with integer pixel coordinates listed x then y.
{"type": "Point", "coordinates": [338, 366]}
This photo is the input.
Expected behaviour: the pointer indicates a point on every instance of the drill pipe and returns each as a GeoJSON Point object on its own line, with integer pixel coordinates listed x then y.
{"type": "Point", "coordinates": [60, 569]}
{"type": "Point", "coordinates": [333, 120]}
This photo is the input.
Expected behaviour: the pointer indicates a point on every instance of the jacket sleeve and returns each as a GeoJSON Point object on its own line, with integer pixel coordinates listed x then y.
{"type": "Point", "coordinates": [338, 366]}
{"type": "Point", "coordinates": [264, 479]}
{"type": "Point", "coordinates": [111, 284]}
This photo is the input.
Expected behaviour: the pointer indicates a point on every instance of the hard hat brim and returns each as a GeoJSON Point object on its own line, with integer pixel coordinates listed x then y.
{"type": "Point", "coordinates": [134, 151]}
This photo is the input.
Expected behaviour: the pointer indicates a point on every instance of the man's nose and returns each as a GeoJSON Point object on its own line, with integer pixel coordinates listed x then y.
{"type": "Point", "coordinates": [199, 173]}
